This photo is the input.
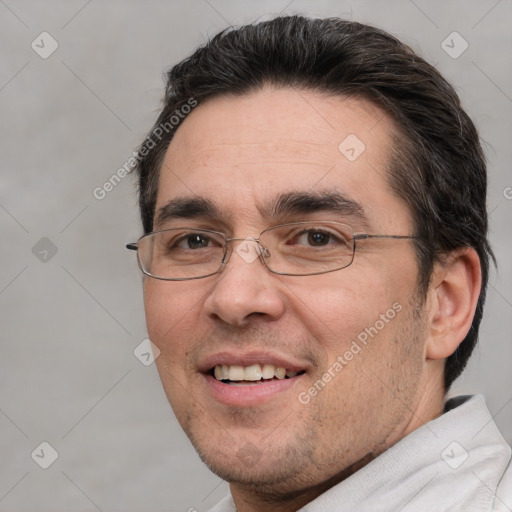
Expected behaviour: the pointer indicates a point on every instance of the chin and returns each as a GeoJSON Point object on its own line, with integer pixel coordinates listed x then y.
{"type": "Point", "coordinates": [270, 468]}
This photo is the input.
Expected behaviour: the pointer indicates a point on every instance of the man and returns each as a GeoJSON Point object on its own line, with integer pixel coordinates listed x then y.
{"type": "Point", "coordinates": [316, 260]}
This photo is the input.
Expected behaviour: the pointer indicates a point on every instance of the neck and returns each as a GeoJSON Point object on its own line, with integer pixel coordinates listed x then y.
{"type": "Point", "coordinates": [249, 499]}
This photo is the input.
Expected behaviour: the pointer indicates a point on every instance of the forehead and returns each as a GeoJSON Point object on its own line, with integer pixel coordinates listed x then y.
{"type": "Point", "coordinates": [241, 151]}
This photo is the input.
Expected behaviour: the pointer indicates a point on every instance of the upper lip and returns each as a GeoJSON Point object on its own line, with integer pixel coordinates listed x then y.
{"type": "Point", "coordinates": [252, 357]}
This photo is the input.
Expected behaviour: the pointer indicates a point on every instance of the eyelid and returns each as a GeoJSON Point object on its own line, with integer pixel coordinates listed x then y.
{"type": "Point", "coordinates": [322, 227]}
{"type": "Point", "coordinates": [213, 238]}
{"type": "Point", "coordinates": [317, 230]}
{"type": "Point", "coordinates": [304, 225]}
{"type": "Point", "coordinates": [182, 230]}
{"type": "Point", "coordinates": [336, 236]}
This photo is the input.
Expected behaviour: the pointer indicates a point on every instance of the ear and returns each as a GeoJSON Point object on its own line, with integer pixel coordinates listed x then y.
{"type": "Point", "coordinates": [453, 296]}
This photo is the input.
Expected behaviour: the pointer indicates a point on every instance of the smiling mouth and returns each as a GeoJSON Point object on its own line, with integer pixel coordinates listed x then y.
{"type": "Point", "coordinates": [253, 374]}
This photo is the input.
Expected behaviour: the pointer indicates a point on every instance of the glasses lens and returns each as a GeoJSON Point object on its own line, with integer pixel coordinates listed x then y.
{"type": "Point", "coordinates": [306, 248]}
{"type": "Point", "coordinates": [176, 254]}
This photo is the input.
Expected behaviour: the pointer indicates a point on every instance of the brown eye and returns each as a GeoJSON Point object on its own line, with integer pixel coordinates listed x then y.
{"type": "Point", "coordinates": [194, 241]}
{"type": "Point", "coordinates": [197, 241]}
{"type": "Point", "coordinates": [317, 238]}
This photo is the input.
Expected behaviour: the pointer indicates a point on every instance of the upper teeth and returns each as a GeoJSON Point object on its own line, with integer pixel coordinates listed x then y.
{"type": "Point", "coordinates": [253, 372]}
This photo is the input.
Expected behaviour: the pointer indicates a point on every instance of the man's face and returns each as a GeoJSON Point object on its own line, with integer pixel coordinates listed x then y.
{"type": "Point", "coordinates": [244, 154]}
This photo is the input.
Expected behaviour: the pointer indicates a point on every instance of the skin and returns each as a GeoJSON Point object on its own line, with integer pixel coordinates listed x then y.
{"type": "Point", "coordinates": [279, 455]}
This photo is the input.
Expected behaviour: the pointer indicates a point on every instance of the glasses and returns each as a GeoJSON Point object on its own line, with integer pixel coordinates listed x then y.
{"type": "Point", "coordinates": [295, 249]}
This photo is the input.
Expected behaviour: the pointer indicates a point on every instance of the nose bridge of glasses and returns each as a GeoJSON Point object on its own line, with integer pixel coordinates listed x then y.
{"type": "Point", "coordinates": [249, 249]}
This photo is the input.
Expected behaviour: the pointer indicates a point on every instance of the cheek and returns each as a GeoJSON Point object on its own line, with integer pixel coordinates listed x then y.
{"type": "Point", "coordinates": [373, 359]}
{"type": "Point", "coordinates": [169, 317]}
{"type": "Point", "coordinates": [157, 305]}
{"type": "Point", "coordinates": [171, 327]}
{"type": "Point", "coordinates": [339, 307]}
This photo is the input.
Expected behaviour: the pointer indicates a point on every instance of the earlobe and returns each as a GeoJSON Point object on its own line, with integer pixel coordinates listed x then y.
{"type": "Point", "coordinates": [453, 296]}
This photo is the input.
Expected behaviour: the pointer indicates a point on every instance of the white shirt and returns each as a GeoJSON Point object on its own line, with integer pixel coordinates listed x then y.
{"type": "Point", "coordinates": [458, 462]}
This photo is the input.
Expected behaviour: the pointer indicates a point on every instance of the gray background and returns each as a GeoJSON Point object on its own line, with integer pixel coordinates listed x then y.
{"type": "Point", "coordinates": [70, 321]}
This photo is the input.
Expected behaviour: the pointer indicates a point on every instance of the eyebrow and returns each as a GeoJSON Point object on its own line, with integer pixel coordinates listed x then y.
{"type": "Point", "coordinates": [295, 203]}
{"type": "Point", "coordinates": [187, 208]}
{"type": "Point", "coordinates": [283, 206]}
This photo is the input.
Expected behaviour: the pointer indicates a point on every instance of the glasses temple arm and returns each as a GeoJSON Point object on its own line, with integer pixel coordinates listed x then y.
{"type": "Point", "coordinates": [364, 236]}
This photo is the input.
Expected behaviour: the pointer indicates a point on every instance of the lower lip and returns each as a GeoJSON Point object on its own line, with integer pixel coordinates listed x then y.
{"type": "Point", "coordinates": [249, 394]}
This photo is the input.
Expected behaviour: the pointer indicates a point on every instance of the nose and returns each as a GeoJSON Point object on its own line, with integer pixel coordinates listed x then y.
{"type": "Point", "coordinates": [245, 289]}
